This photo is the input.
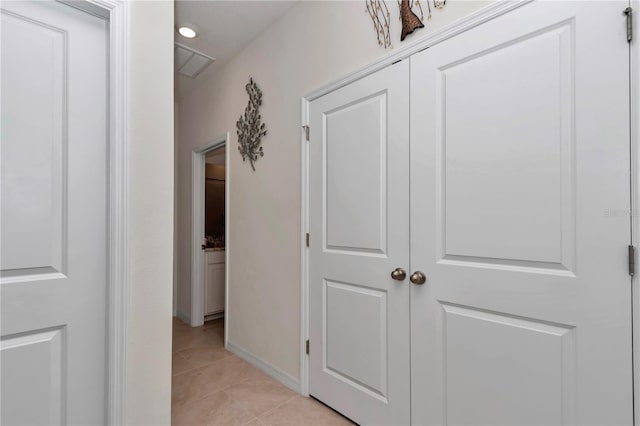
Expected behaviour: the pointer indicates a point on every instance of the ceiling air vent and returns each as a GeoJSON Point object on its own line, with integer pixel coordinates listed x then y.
{"type": "Point", "coordinates": [190, 62]}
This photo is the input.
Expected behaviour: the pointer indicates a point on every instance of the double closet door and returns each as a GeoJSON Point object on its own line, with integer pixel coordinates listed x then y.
{"type": "Point", "coordinates": [467, 264]}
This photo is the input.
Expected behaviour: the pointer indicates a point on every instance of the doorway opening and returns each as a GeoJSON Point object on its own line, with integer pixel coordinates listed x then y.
{"type": "Point", "coordinates": [214, 234]}
{"type": "Point", "coordinates": [210, 206]}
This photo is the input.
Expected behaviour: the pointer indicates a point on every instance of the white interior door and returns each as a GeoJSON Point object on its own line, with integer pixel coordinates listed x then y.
{"type": "Point", "coordinates": [359, 223]}
{"type": "Point", "coordinates": [519, 220]}
{"type": "Point", "coordinates": [53, 224]}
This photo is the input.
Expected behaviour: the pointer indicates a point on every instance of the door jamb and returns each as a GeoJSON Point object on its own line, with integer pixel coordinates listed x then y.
{"type": "Point", "coordinates": [634, 114]}
{"type": "Point", "coordinates": [197, 229]}
{"type": "Point", "coordinates": [116, 13]}
{"type": "Point", "coordinates": [304, 250]}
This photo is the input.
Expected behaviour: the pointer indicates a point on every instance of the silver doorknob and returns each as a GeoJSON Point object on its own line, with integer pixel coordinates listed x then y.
{"type": "Point", "coordinates": [418, 277]}
{"type": "Point", "coordinates": [399, 274]}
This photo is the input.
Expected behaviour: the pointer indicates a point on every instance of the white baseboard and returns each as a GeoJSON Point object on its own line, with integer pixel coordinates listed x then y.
{"type": "Point", "coordinates": [284, 378]}
{"type": "Point", "coordinates": [183, 317]}
{"type": "Point", "coordinates": [215, 316]}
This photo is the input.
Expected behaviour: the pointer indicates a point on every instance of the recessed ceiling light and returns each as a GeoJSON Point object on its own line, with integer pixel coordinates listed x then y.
{"type": "Point", "coordinates": [187, 32]}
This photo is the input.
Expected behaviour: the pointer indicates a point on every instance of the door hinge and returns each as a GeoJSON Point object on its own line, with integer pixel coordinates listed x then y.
{"type": "Point", "coordinates": [632, 260]}
{"type": "Point", "coordinates": [307, 347]}
{"type": "Point", "coordinates": [307, 239]}
{"type": "Point", "coordinates": [306, 132]}
{"type": "Point", "coordinates": [629, 14]}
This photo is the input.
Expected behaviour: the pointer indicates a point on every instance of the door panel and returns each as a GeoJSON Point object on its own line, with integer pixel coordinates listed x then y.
{"type": "Point", "coordinates": [33, 196]}
{"type": "Point", "coordinates": [363, 366]}
{"type": "Point", "coordinates": [533, 357]}
{"type": "Point", "coordinates": [53, 224]}
{"type": "Point", "coordinates": [506, 183]}
{"type": "Point", "coordinates": [525, 316]}
{"type": "Point", "coordinates": [359, 192]}
{"type": "Point", "coordinates": [33, 377]}
{"type": "Point", "coordinates": [357, 224]}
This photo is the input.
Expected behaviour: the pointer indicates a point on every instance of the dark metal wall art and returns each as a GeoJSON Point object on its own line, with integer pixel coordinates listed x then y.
{"type": "Point", "coordinates": [381, 18]}
{"type": "Point", "coordinates": [410, 21]}
{"type": "Point", "coordinates": [250, 127]}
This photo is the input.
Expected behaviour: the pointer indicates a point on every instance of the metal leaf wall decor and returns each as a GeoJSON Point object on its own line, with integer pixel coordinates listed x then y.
{"type": "Point", "coordinates": [250, 127]}
{"type": "Point", "coordinates": [379, 13]}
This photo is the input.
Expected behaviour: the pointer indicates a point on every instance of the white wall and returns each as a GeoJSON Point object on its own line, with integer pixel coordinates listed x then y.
{"type": "Point", "coordinates": [151, 213]}
{"type": "Point", "coordinates": [314, 43]}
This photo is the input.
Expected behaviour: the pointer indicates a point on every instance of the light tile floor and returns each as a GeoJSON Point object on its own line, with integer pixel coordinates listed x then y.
{"type": "Point", "coordinates": [212, 386]}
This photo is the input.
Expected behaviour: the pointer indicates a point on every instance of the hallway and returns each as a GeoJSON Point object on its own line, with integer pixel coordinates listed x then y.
{"type": "Point", "coordinates": [212, 386]}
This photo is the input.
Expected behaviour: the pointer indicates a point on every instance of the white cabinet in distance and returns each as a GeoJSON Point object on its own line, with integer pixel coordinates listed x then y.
{"type": "Point", "coordinates": [214, 281]}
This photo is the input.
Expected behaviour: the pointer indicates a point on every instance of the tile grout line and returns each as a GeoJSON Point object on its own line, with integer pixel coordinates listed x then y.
{"type": "Point", "coordinates": [197, 369]}
{"type": "Point", "coordinates": [276, 407]}
{"type": "Point", "coordinates": [199, 398]}
{"type": "Point", "coordinates": [244, 403]}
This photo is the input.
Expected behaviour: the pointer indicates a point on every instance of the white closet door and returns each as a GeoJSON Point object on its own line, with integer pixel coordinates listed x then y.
{"type": "Point", "coordinates": [519, 220]}
{"type": "Point", "coordinates": [359, 223]}
{"type": "Point", "coordinates": [53, 221]}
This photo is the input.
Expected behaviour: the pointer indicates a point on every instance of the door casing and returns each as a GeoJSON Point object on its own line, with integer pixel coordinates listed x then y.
{"type": "Point", "coordinates": [477, 18]}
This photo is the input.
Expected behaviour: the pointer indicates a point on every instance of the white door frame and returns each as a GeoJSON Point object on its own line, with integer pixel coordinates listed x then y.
{"type": "Point", "coordinates": [198, 166]}
{"type": "Point", "coordinates": [635, 197]}
{"type": "Point", "coordinates": [485, 14]}
{"type": "Point", "coordinates": [116, 12]}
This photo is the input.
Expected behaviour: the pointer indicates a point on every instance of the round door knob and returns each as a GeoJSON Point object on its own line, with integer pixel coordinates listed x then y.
{"type": "Point", "coordinates": [399, 274]}
{"type": "Point", "coordinates": [418, 277]}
